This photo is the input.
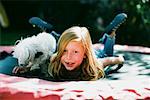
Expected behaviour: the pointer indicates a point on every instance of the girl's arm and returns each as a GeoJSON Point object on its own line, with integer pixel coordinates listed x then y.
{"type": "Point", "coordinates": [111, 60]}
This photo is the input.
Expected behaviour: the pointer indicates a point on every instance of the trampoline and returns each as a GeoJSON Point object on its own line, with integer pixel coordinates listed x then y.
{"type": "Point", "coordinates": [132, 81]}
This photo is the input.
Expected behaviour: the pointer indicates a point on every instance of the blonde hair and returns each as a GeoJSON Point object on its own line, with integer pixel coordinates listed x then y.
{"type": "Point", "coordinates": [91, 68]}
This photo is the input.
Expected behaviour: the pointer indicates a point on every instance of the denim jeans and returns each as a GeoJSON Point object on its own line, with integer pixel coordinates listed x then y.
{"type": "Point", "coordinates": [7, 65]}
{"type": "Point", "coordinates": [108, 49]}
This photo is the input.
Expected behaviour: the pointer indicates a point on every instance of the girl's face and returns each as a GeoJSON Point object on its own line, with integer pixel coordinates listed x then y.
{"type": "Point", "coordinates": [73, 55]}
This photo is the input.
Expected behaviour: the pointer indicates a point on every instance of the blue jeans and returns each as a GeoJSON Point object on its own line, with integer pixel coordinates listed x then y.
{"type": "Point", "coordinates": [7, 65]}
{"type": "Point", "coordinates": [108, 49]}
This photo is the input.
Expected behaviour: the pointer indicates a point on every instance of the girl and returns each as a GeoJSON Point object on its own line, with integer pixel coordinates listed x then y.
{"type": "Point", "coordinates": [76, 59]}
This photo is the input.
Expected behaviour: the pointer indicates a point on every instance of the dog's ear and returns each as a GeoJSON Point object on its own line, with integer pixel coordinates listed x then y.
{"type": "Point", "coordinates": [38, 54]}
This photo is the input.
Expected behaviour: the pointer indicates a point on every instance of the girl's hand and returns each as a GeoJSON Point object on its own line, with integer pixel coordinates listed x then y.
{"type": "Point", "coordinates": [19, 69]}
{"type": "Point", "coordinates": [112, 60]}
{"type": "Point", "coordinates": [121, 59]}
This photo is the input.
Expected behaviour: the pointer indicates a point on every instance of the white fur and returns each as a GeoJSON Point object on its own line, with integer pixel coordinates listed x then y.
{"type": "Point", "coordinates": [26, 49]}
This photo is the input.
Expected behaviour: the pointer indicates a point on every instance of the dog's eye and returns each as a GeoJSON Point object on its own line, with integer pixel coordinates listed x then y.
{"type": "Point", "coordinates": [21, 64]}
{"type": "Point", "coordinates": [38, 54]}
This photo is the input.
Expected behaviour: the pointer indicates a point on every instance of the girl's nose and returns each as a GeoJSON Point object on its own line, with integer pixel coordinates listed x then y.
{"type": "Point", "coordinates": [69, 56]}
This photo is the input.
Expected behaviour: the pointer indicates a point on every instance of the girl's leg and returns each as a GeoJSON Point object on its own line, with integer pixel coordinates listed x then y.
{"type": "Point", "coordinates": [109, 45]}
{"type": "Point", "coordinates": [108, 38]}
{"type": "Point", "coordinates": [109, 42]}
{"type": "Point", "coordinates": [44, 26]}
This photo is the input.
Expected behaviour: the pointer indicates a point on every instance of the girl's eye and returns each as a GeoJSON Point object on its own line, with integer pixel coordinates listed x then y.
{"type": "Point", "coordinates": [65, 50]}
{"type": "Point", "coordinates": [75, 51]}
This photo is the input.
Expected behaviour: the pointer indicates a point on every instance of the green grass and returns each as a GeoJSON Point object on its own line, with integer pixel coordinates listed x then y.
{"type": "Point", "coordinates": [10, 37]}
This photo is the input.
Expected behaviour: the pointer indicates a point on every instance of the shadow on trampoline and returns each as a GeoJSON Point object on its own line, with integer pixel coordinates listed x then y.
{"type": "Point", "coordinates": [136, 66]}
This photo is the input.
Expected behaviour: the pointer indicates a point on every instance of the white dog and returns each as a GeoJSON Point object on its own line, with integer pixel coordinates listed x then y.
{"type": "Point", "coordinates": [34, 51]}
